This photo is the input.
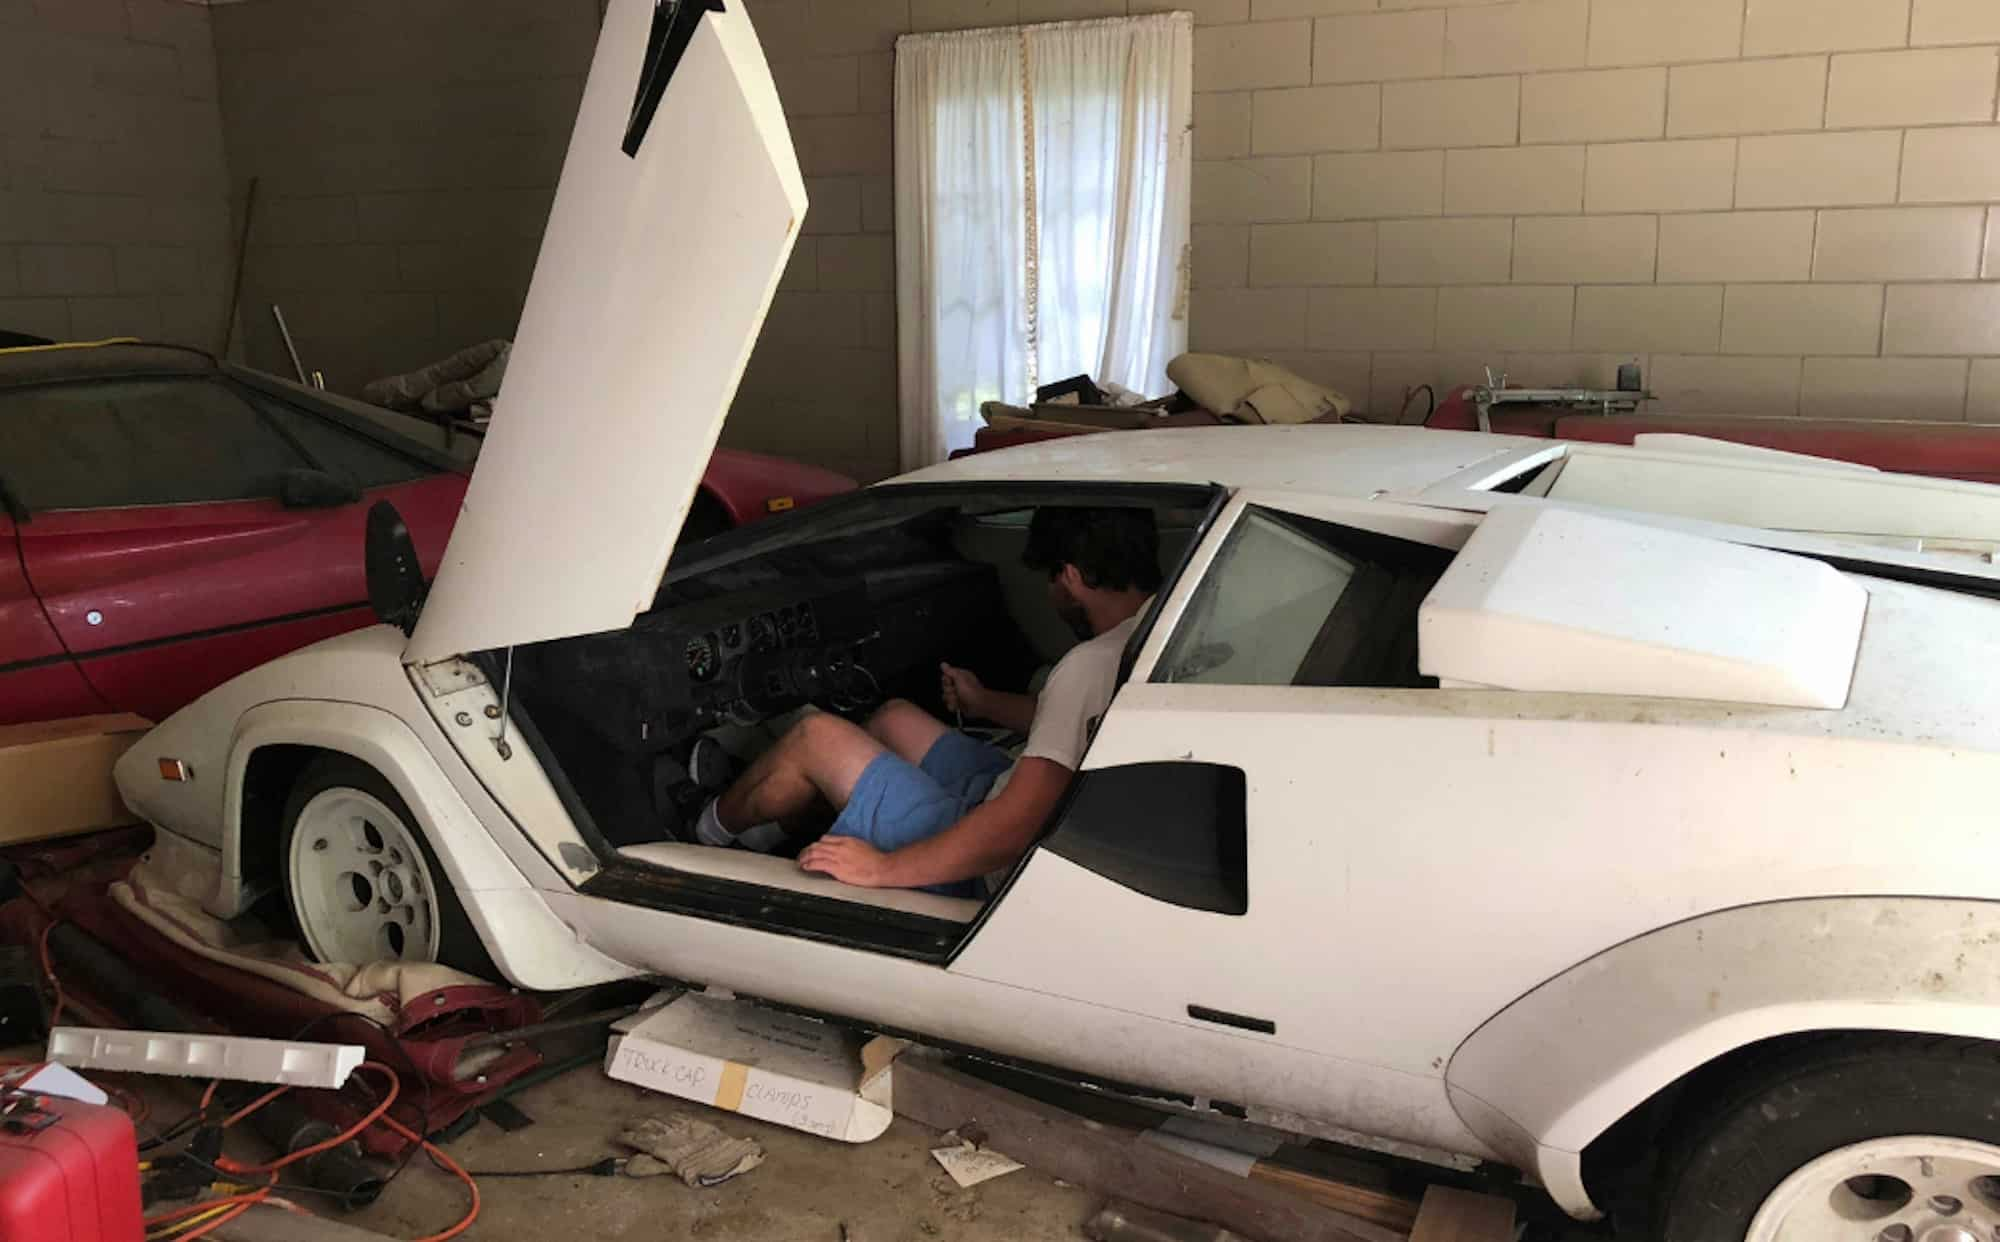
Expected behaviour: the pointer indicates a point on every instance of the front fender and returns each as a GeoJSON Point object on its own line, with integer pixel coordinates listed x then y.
{"type": "Point", "coordinates": [527, 941]}
{"type": "Point", "coordinates": [1554, 1070]}
{"type": "Point", "coordinates": [381, 740]}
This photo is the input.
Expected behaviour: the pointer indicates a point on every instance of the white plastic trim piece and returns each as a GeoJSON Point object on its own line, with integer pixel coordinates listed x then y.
{"type": "Point", "coordinates": [1555, 600]}
{"type": "Point", "coordinates": [292, 1062]}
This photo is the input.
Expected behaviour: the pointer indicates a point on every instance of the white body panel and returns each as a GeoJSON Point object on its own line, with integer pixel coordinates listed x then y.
{"type": "Point", "coordinates": [1419, 860]}
{"type": "Point", "coordinates": [1781, 493]}
{"type": "Point", "coordinates": [1561, 600]}
{"type": "Point", "coordinates": [655, 272]}
{"type": "Point", "coordinates": [352, 695]}
{"type": "Point", "coordinates": [1562, 1064]}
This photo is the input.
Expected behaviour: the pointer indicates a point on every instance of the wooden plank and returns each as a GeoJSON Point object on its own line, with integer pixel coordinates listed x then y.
{"type": "Point", "coordinates": [1376, 1206]}
{"type": "Point", "coordinates": [1112, 1161]}
{"type": "Point", "coordinates": [1452, 1215]}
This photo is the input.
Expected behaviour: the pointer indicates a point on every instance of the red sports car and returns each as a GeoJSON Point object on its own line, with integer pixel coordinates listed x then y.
{"type": "Point", "coordinates": [169, 520]}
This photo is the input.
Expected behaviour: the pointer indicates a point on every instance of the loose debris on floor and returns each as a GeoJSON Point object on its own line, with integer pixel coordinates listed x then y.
{"type": "Point", "coordinates": [695, 1151]}
{"type": "Point", "coordinates": [969, 1164]}
{"type": "Point", "coordinates": [1007, 1156]}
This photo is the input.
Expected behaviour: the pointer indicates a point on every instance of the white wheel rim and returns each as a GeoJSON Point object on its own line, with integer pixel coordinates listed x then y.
{"type": "Point", "coordinates": [359, 883]}
{"type": "Point", "coordinates": [1914, 1188]}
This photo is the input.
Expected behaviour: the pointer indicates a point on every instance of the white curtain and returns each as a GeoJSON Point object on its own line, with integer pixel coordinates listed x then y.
{"type": "Point", "coordinates": [1041, 215]}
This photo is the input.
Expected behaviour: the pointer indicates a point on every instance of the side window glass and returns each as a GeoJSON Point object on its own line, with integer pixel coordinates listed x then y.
{"type": "Point", "coordinates": [347, 453]}
{"type": "Point", "coordinates": [1292, 601]}
{"type": "Point", "coordinates": [114, 443]}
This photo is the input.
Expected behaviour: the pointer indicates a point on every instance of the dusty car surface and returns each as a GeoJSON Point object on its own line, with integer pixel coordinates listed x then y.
{"type": "Point", "coordinates": [169, 519]}
{"type": "Point", "coordinates": [1624, 814]}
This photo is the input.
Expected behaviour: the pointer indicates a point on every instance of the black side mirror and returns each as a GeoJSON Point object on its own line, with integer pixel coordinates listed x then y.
{"type": "Point", "coordinates": [395, 575]}
{"type": "Point", "coordinates": [315, 489]}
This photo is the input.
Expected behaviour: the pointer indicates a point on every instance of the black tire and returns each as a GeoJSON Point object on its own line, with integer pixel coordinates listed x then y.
{"type": "Point", "coordinates": [459, 945]}
{"type": "Point", "coordinates": [1741, 1134]}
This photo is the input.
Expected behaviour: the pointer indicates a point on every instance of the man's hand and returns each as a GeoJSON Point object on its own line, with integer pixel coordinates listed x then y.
{"type": "Point", "coordinates": [849, 860]}
{"type": "Point", "coordinates": [963, 691]}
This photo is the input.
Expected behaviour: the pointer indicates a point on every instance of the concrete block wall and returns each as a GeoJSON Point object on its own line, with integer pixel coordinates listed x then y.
{"type": "Point", "coordinates": [822, 382]}
{"type": "Point", "coordinates": [114, 216]}
{"type": "Point", "coordinates": [1779, 207]}
{"type": "Point", "coordinates": [407, 153]}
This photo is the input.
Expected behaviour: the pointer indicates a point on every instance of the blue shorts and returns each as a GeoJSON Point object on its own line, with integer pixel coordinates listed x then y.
{"type": "Point", "coordinates": [896, 803]}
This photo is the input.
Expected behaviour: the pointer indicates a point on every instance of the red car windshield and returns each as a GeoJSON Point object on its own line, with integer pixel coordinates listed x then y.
{"type": "Point", "coordinates": [119, 442]}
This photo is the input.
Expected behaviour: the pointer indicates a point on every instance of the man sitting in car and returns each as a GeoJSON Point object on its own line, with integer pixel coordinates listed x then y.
{"type": "Point", "coordinates": [923, 805]}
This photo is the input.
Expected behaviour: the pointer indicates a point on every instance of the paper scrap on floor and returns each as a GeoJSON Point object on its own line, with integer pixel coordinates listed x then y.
{"type": "Point", "coordinates": [779, 1067]}
{"type": "Point", "coordinates": [52, 1078]}
{"type": "Point", "coordinates": [969, 1165]}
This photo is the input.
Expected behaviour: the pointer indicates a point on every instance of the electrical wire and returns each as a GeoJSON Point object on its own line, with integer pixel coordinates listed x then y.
{"type": "Point", "coordinates": [423, 1080]}
{"type": "Point", "coordinates": [327, 1144]}
{"type": "Point", "coordinates": [451, 1166]}
{"type": "Point", "coordinates": [253, 1106]}
{"type": "Point", "coordinates": [49, 970]}
{"type": "Point", "coordinates": [180, 1226]}
{"type": "Point", "coordinates": [217, 1222]}
{"type": "Point", "coordinates": [211, 1214]}
{"type": "Point", "coordinates": [603, 1168]}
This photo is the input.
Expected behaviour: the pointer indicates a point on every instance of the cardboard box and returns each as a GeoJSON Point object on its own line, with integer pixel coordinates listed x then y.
{"type": "Point", "coordinates": [55, 776]}
{"type": "Point", "coordinates": [776, 1067]}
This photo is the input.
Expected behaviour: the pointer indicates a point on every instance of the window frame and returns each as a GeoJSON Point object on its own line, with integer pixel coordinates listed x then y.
{"type": "Point", "coordinates": [1417, 526]}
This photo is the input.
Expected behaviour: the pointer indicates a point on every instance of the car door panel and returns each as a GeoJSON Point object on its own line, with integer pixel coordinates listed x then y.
{"type": "Point", "coordinates": [161, 603]}
{"type": "Point", "coordinates": [38, 680]}
{"type": "Point", "coordinates": [156, 539]}
{"type": "Point", "coordinates": [1032, 1025]}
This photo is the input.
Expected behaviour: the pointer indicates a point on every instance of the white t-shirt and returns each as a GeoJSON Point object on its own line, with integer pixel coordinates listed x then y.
{"type": "Point", "coordinates": [1074, 698]}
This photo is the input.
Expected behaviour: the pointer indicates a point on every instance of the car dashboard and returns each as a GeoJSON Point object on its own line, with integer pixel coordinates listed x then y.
{"type": "Point", "coordinates": [741, 655]}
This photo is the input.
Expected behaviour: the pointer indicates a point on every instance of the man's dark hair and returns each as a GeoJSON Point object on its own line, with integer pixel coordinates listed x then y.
{"type": "Point", "coordinates": [1114, 549]}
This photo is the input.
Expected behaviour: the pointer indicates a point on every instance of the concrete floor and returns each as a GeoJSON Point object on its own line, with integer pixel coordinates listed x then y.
{"type": "Point", "coordinates": [890, 1190]}
{"type": "Point", "coordinates": [807, 1189]}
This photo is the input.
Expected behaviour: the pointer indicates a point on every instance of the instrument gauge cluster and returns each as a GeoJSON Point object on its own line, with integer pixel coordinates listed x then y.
{"type": "Point", "coordinates": [704, 657]}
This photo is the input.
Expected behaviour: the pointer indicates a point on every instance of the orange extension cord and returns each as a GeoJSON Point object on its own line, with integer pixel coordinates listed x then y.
{"type": "Point", "coordinates": [243, 1203]}
{"type": "Point", "coordinates": [239, 1204]}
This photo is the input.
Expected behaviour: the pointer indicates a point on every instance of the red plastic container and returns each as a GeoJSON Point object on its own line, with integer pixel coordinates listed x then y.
{"type": "Point", "coordinates": [69, 1172]}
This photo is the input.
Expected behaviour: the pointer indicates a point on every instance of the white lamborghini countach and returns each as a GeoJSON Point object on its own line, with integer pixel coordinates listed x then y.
{"type": "Point", "coordinates": [1627, 815]}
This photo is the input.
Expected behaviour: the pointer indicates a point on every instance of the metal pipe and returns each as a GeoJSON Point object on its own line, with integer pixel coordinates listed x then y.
{"type": "Point", "coordinates": [521, 1034]}
{"type": "Point", "coordinates": [298, 368]}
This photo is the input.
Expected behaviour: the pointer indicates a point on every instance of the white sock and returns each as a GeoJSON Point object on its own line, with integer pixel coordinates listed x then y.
{"type": "Point", "coordinates": [708, 828]}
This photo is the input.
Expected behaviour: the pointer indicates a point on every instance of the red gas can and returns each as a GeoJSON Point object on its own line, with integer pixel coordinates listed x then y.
{"type": "Point", "coordinates": [69, 1172]}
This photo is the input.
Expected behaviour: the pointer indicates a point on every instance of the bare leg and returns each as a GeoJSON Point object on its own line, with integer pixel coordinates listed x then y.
{"type": "Point", "coordinates": [819, 757]}
{"type": "Point", "coordinates": [906, 729]}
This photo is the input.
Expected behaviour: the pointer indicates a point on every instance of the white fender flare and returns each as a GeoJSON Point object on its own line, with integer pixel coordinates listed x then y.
{"type": "Point", "coordinates": [528, 942]}
{"type": "Point", "coordinates": [1557, 1068]}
